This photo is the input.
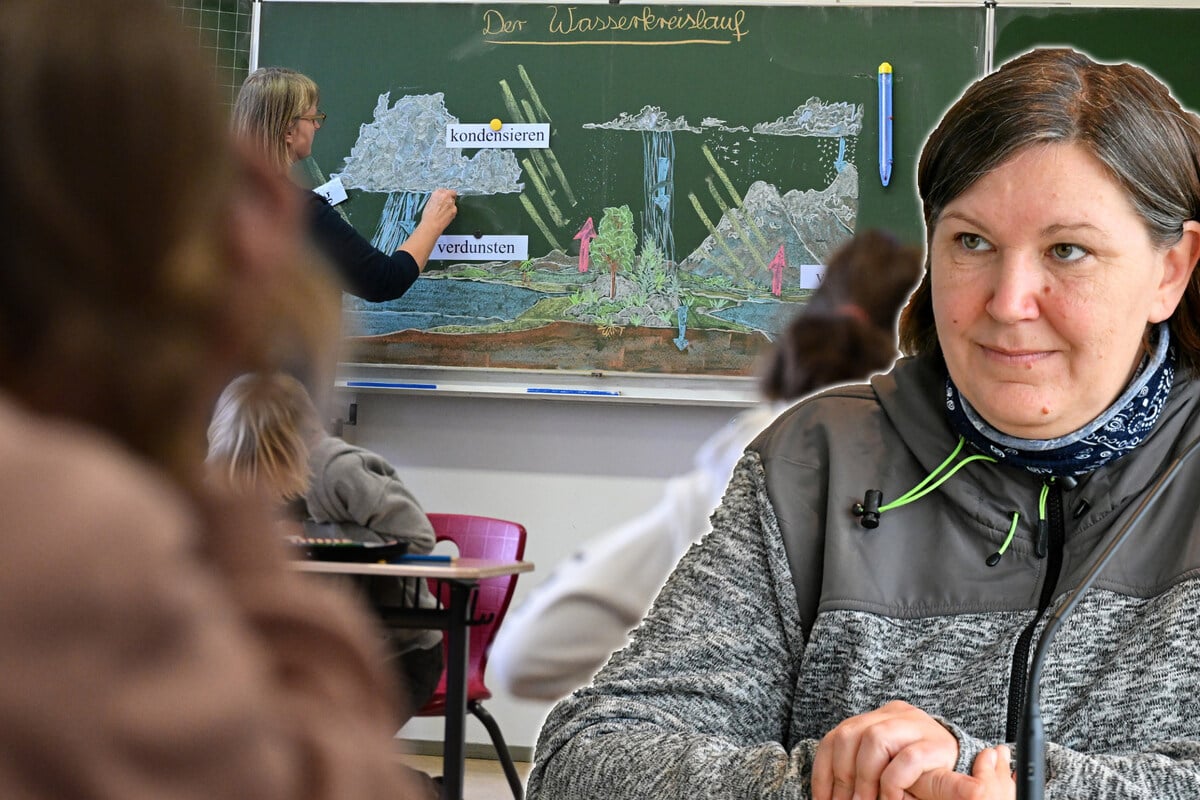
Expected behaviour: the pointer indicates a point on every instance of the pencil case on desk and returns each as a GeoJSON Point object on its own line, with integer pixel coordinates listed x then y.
{"type": "Point", "coordinates": [334, 542]}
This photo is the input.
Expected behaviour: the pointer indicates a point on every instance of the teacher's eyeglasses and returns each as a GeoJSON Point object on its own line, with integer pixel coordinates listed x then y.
{"type": "Point", "coordinates": [316, 119]}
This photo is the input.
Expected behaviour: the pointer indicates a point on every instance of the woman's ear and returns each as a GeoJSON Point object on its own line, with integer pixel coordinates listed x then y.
{"type": "Point", "coordinates": [1178, 263]}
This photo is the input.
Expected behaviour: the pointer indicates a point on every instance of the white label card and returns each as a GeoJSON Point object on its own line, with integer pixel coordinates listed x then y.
{"type": "Point", "coordinates": [511, 136]}
{"type": "Point", "coordinates": [481, 248]}
{"type": "Point", "coordinates": [332, 191]}
{"type": "Point", "coordinates": [811, 275]}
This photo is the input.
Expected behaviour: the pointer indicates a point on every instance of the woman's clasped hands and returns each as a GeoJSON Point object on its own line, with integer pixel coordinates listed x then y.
{"type": "Point", "coordinates": [898, 752]}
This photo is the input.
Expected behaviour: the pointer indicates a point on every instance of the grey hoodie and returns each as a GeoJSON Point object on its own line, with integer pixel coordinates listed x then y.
{"type": "Point", "coordinates": [355, 486]}
{"type": "Point", "coordinates": [790, 616]}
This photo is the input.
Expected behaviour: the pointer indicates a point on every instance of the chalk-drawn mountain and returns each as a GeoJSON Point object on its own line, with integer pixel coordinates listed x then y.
{"type": "Point", "coordinates": [810, 224]}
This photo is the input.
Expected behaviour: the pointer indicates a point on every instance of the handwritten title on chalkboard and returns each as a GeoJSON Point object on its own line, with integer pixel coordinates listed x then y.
{"type": "Point", "coordinates": [645, 25]}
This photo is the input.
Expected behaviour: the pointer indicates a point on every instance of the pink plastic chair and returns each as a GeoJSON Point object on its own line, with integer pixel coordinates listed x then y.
{"type": "Point", "coordinates": [480, 537]}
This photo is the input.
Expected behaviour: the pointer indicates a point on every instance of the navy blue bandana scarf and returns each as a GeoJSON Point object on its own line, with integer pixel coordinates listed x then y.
{"type": "Point", "coordinates": [1122, 427]}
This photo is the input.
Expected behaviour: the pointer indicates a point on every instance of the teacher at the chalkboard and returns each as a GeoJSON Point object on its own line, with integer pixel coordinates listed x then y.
{"type": "Point", "coordinates": [276, 111]}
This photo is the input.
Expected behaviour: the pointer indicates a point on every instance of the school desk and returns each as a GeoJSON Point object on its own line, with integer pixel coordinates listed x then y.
{"type": "Point", "coordinates": [462, 576]}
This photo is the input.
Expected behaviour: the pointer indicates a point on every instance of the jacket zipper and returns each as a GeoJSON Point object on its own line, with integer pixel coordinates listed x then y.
{"type": "Point", "coordinates": [1019, 675]}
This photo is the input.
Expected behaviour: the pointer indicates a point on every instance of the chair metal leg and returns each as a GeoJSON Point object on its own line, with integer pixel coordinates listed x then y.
{"type": "Point", "coordinates": [510, 769]}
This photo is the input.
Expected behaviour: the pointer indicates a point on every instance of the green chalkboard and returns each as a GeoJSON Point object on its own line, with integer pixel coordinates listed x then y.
{"type": "Point", "coordinates": [1160, 39]}
{"type": "Point", "coordinates": [742, 140]}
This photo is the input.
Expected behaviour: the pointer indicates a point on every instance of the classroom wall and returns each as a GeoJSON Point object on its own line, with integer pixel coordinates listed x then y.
{"type": "Point", "coordinates": [567, 470]}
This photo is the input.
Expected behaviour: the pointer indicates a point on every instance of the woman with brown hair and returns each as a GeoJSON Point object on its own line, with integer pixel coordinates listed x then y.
{"type": "Point", "coordinates": [860, 622]}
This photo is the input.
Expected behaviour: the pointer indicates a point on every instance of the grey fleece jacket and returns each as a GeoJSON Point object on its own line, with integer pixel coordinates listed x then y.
{"type": "Point", "coordinates": [790, 617]}
{"type": "Point", "coordinates": [360, 492]}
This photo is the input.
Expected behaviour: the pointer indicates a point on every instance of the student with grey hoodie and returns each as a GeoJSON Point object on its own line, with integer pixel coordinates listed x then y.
{"type": "Point", "coordinates": [266, 436]}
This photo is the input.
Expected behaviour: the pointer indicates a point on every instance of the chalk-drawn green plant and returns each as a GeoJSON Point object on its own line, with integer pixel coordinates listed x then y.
{"type": "Point", "coordinates": [615, 241]}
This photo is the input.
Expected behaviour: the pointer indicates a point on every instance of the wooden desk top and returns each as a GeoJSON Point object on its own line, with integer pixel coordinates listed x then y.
{"type": "Point", "coordinates": [467, 569]}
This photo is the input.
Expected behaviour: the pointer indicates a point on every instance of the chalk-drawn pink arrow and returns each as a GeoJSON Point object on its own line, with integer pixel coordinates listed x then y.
{"type": "Point", "coordinates": [585, 236]}
{"type": "Point", "coordinates": [777, 265]}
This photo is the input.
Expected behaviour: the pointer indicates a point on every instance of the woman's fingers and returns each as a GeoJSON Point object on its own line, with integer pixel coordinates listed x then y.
{"type": "Point", "coordinates": [994, 767]}
{"type": "Point", "coordinates": [853, 757]}
{"type": "Point", "coordinates": [903, 770]}
{"type": "Point", "coordinates": [440, 208]}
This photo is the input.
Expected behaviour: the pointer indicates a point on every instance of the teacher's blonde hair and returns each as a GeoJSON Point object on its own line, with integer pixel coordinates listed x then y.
{"type": "Point", "coordinates": [269, 103]}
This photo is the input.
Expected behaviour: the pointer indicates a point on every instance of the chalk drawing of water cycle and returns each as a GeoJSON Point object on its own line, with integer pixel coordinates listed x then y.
{"type": "Point", "coordinates": [689, 256]}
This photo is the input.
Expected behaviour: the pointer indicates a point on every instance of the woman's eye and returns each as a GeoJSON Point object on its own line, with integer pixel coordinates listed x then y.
{"type": "Point", "coordinates": [973, 241]}
{"type": "Point", "coordinates": [1067, 252]}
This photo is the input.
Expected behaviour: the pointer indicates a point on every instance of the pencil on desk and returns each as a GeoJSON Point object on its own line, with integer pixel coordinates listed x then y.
{"type": "Point", "coordinates": [438, 557]}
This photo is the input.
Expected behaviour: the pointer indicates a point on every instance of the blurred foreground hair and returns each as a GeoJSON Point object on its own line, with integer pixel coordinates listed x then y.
{"type": "Point", "coordinates": [129, 296]}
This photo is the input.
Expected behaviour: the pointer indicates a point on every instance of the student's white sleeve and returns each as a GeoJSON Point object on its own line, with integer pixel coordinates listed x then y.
{"type": "Point", "coordinates": [572, 622]}
{"type": "Point", "coordinates": [557, 639]}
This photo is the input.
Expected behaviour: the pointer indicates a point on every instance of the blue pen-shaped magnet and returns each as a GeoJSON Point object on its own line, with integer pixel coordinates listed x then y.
{"type": "Point", "coordinates": [885, 122]}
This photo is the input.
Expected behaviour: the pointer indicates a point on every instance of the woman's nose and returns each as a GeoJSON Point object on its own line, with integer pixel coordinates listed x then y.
{"type": "Point", "coordinates": [1017, 287]}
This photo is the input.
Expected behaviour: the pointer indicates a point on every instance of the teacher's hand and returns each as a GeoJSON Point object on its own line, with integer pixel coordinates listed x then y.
{"type": "Point", "coordinates": [880, 754]}
{"type": "Point", "coordinates": [440, 209]}
{"type": "Point", "coordinates": [991, 778]}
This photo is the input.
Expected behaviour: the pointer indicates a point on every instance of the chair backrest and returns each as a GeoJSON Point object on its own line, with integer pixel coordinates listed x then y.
{"type": "Point", "coordinates": [483, 537]}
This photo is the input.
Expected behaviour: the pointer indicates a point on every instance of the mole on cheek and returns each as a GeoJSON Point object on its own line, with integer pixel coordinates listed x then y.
{"type": "Point", "coordinates": [1045, 410]}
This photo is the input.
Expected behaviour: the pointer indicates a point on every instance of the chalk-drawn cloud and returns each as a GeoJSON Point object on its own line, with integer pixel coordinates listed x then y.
{"type": "Point", "coordinates": [817, 118]}
{"type": "Point", "coordinates": [719, 124]}
{"type": "Point", "coordinates": [650, 118]}
{"type": "Point", "coordinates": [404, 150]}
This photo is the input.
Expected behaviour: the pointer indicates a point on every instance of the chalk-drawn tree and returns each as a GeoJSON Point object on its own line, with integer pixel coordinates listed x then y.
{"type": "Point", "coordinates": [615, 241]}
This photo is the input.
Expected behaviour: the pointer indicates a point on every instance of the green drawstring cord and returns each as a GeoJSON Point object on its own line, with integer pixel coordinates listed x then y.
{"type": "Point", "coordinates": [995, 557]}
{"type": "Point", "coordinates": [870, 509]}
{"type": "Point", "coordinates": [920, 490]}
{"type": "Point", "coordinates": [1043, 539]}
{"type": "Point", "coordinates": [1042, 546]}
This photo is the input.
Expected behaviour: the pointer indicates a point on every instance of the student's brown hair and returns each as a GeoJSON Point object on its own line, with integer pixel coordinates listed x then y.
{"type": "Point", "coordinates": [848, 329]}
